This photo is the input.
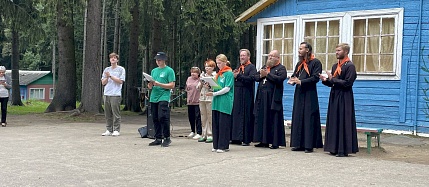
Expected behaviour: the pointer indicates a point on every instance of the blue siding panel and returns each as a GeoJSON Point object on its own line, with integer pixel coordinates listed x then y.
{"type": "Point", "coordinates": [385, 104]}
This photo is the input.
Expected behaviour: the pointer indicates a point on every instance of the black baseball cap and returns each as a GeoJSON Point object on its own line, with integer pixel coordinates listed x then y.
{"type": "Point", "coordinates": [160, 56]}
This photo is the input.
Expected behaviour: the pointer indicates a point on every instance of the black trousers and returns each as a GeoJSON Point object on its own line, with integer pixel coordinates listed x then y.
{"type": "Point", "coordinates": [221, 129]}
{"type": "Point", "coordinates": [3, 101]}
{"type": "Point", "coordinates": [161, 119]}
{"type": "Point", "coordinates": [194, 117]}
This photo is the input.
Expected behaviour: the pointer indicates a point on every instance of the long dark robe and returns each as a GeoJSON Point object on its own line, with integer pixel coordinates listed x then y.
{"type": "Point", "coordinates": [269, 120]}
{"type": "Point", "coordinates": [340, 134]}
{"type": "Point", "coordinates": [242, 114]}
{"type": "Point", "coordinates": [306, 130]}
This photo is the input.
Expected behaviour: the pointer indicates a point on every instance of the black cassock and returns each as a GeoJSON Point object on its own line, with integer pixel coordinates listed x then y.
{"type": "Point", "coordinates": [242, 114]}
{"type": "Point", "coordinates": [269, 120]}
{"type": "Point", "coordinates": [306, 130]}
{"type": "Point", "coordinates": [340, 134]}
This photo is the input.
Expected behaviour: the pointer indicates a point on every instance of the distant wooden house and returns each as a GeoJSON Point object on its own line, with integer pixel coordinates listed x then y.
{"type": "Point", "coordinates": [35, 85]}
{"type": "Point", "coordinates": [389, 42]}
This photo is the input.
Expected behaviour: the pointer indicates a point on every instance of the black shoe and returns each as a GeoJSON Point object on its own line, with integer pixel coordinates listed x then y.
{"type": "Point", "coordinates": [332, 153]}
{"type": "Point", "coordinates": [166, 142]}
{"type": "Point", "coordinates": [156, 142]}
{"type": "Point", "coordinates": [274, 147]}
{"type": "Point", "coordinates": [236, 142]}
{"type": "Point", "coordinates": [245, 144]}
{"type": "Point", "coordinates": [308, 150]}
{"type": "Point", "coordinates": [262, 145]}
{"type": "Point", "coordinates": [297, 149]}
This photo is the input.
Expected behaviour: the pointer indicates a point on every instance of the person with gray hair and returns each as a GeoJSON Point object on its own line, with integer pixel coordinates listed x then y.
{"type": "Point", "coordinates": [5, 86]}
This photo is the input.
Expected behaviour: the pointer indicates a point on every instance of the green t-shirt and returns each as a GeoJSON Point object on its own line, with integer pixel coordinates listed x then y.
{"type": "Point", "coordinates": [223, 103]}
{"type": "Point", "coordinates": [162, 75]}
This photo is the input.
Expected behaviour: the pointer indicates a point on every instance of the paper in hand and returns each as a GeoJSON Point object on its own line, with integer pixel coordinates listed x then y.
{"type": "Point", "coordinates": [211, 82]}
{"type": "Point", "coordinates": [148, 77]}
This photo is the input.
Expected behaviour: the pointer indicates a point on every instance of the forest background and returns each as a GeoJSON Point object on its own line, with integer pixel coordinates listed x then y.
{"type": "Point", "coordinates": [73, 38]}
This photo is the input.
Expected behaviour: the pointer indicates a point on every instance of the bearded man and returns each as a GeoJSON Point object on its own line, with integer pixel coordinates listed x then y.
{"type": "Point", "coordinates": [269, 120]}
{"type": "Point", "coordinates": [306, 131]}
{"type": "Point", "coordinates": [244, 94]}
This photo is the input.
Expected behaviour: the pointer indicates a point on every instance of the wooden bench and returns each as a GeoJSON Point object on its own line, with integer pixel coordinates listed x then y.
{"type": "Point", "coordinates": [370, 132]}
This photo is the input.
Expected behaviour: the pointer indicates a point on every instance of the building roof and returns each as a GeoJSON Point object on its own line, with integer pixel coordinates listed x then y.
{"type": "Point", "coordinates": [256, 8]}
{"type": "Point", "coordinates": [27, 77]}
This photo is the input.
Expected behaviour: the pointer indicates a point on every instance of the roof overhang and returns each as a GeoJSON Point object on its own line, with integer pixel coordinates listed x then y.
{"type": "Point", "coordinates": [256, 8]}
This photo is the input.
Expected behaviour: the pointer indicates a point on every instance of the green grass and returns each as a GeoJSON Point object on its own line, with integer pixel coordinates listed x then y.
{"type": "Point", "coordinates": [30, 107]}
{"type": "Point", "coordinates": [39, 107]}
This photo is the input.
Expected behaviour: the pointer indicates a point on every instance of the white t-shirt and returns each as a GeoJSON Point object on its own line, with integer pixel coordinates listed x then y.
{"type": "Point", "coordinates": [113, 88]}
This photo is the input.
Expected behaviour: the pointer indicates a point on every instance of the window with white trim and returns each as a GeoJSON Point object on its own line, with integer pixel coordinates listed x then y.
{"type": "Point", "coordinates": [373, 45]}
{"type": "Point", "coordinates": [51, 93]}
{"type": "Point", "coordinates": [37, 93]}
{"type": "Point", "coordinates": [323, 35]}
{"type": "Point", "coordinates": [375, 38]}
{"type": "Point", "coordinates": [280, 37]}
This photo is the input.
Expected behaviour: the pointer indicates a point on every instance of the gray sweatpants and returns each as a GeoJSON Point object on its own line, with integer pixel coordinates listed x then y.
{"type": "Point", "coordinates": [112, 105]}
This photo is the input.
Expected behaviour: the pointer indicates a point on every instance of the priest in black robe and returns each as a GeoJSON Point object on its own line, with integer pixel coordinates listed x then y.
{"type": "Point", "coordinates": [269, 120]}
{"type": "Point", "coordinates": [340, 134]}
{"type": "Point", "coordinates": [244, 91]}
{"type": "Point", "coordinates": [306, 133]}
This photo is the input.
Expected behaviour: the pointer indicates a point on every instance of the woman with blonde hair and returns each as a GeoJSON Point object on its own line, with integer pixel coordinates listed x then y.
{"type": "Point", "coordinates": [222, 105]}
{"type": "Point", "coordinates": [206, 102]}
{"type": "Point", "coordinates": [5, 86]}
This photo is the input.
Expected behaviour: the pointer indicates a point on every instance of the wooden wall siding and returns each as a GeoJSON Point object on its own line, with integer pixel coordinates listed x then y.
{"type": "Point", "coordinates": [385, 104]}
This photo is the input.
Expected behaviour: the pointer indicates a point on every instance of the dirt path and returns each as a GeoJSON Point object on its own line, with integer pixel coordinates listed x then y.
{"type": "Point", "coordinates": [409, 149]}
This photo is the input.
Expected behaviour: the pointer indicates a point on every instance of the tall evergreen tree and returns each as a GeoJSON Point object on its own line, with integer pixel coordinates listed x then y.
{"type": "Point", "coordinates": [20, 15]}
{"type": "Point", "coordinates": [65, 93]}
{"type": "Point", "coordinates": [132, 100]}
{"type": "Point", "coordinates": [91, 85]}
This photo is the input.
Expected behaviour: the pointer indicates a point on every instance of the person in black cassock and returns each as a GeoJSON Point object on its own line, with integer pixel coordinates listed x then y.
{"type": "Point", "coordinates": [244, 91]}
{"type": "Point", "coordinates": [341, 134]}
{"type": "Point", "coordinates": [306, 132]}
{"type": "Point", "coordinates": [269, 121]}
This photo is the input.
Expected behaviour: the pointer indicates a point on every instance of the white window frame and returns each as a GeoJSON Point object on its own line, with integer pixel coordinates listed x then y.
{"type": "Point", "coordinates": [346, 35]}
{"type": "Point", "coordinates": [43, 93]}
{"type": "Point", "coordinates": [51, 90]}
{"type": "Point", "coordinates": [260, 53]}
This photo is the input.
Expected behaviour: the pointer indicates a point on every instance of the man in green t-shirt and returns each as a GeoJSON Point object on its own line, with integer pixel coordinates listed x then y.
{"type": "Point", "coordinates": [164, 78]}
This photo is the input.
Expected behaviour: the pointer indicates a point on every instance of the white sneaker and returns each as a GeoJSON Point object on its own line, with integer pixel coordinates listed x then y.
{"type": "Point", "coordinates": [107, 133]}
{"type": "Point", "coordinates": [191, 135]}
{"type": "Point", "coordinates": [196, 137]}
{"type": "Point", "coordinates": [115, 133]}
{"type": "Point", "coordinates": [214, 150]}
{"type": "Point", "coordinates": [222, 150]}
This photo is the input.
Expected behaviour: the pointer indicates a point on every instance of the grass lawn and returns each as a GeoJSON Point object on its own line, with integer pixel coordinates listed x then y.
{"type": "Point", "coordinates": [39, 107]}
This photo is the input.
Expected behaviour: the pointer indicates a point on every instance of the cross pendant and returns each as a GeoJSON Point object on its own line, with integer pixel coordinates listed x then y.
{"type": "Point", "coordinates": [265, 80]}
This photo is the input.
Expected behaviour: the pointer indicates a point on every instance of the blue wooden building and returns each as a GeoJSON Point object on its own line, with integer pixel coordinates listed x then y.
{"type": "Point", "coordinates": [389, 42]}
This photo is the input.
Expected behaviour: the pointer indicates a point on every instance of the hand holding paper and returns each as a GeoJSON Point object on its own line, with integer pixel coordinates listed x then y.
{"type": "Point", "coordinates": [211, 81]}
{"type": "Point", "coordinates": [148, 77]}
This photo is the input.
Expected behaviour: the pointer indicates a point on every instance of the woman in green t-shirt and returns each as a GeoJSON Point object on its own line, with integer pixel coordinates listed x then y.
{"type": "Point", "coordinates": [222, 105]}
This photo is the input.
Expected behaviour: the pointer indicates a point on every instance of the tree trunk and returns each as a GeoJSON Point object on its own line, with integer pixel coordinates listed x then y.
{"type": "Point", "coordinates": [91, 84]}
{"type": "Point", "coordinates": [65, 95]}
{"type": "Point", "coordinates": [132, 99]}
{"type": "Point", "coordinates": [156, 42]}
{"type": "Point", "coordinates": [116, 32]}
{"type": "Point", "coordinates": [16, 94]}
